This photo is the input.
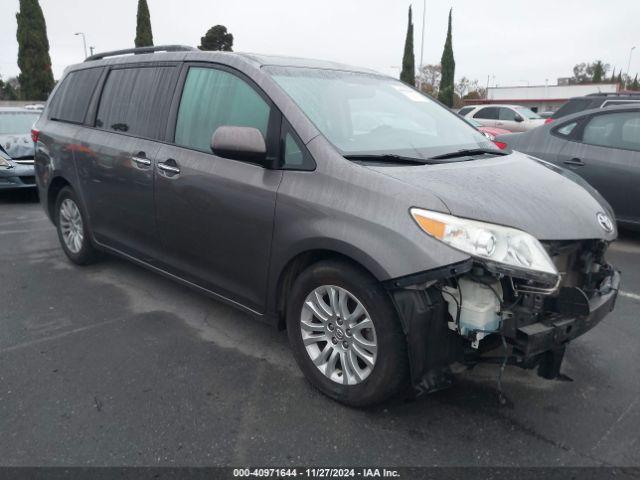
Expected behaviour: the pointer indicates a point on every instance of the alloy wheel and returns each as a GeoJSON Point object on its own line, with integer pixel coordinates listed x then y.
{"type": "Point", "coordinates": [338, 335]}
{"type": "Point", "coordinates": [71, 225]}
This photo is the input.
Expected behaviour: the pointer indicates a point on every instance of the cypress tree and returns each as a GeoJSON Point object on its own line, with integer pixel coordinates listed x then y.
{"type": "Point", "coordinates": [408, 73]}
{"type": "Point", "coordinates": [635, 85]}
{"type": "Point", "coordinates": [613, 75]}
{"type": "Point", "coordinates": [144, 36]}
{"type": "Point", "coordinates": [448, 70]}
{"type": "Point", "coordinates": [619, 79]}
{"type": "Point", "coordinates": [36, 77]}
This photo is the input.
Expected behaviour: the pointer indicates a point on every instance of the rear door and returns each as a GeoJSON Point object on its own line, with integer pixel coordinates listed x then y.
{"type": "Point", "coordinates": [606, 153]}
{"type": "Point", "coordinates": [487, 116]}
{"type": "Point", "coordinates": [115, 158]}
{"type": "Point", "coordinates": [215, 215]}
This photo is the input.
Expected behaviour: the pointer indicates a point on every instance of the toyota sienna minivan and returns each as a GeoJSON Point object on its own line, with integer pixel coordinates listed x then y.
{"type": "Point", "coordinates": [392, 240]}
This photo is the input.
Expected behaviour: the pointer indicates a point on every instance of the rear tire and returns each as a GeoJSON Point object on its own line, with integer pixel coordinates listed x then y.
{"type": "Point", "coordinates": [73, 229]}
{"type": "Point", "coordinates": [353, 360]}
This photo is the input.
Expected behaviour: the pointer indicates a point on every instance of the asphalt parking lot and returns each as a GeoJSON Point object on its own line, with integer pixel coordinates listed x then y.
{"type": "Point", "coordinates": [114, 365]}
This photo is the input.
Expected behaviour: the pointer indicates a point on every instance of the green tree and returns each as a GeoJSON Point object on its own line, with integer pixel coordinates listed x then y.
{"type": "Point", "coordinates": [144, 35]}
{"type": "Point", "coordinates": [635, 85]}
{"type": "Point", "coordinates": [217, 38]}
{"type": "Point", "coordinates": [408, 73]}
{"type": "Point", "coordinates": [619, 79]}
{"type": "Point", "coordinates": [613, 76]}
{"type": "Point", "coordinates": [36, 77]}
{"type": "Point", "coordinates": [598, 71]}
{"type": "Point", "coordinates": [447, 84]}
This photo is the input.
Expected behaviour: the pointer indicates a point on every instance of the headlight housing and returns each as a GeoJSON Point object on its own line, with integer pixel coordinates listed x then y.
{"type": "Point", "coordinates": [5, 163]}
{"type": "Point", "coordinates": [502, 249]}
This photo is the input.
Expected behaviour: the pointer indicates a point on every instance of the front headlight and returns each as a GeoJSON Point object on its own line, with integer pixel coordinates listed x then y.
{"type": "Point", "coordinates": [5, 163]}
{"type": "Point", "coordinates": [496, 245]}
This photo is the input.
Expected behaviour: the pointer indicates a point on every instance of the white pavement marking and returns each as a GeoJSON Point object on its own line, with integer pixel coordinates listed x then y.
{"type": "Point", "coordinates": [634, 296]}
{"type": "Point", "coordinates": [24, 220]}
{"type": "Point", "coordinates": [6, 232]}
{"type": "Point", "coordinates": [55, 337]}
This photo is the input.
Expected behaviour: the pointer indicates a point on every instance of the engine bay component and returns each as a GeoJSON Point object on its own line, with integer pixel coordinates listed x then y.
{"type": "Point", "coordinates": [474, 307]}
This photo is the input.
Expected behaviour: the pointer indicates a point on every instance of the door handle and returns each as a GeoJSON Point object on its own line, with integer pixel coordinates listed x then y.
{"type": "Point", "coordinates": [575, 162]}
{"type": "Point", "coordinates": [141, 161]}
{"type": "Point", "coordinates": [169, 166]}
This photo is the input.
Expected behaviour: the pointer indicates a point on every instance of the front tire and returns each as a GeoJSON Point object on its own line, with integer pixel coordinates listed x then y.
{"type": "Point", "coordinates": [73, 229]}
{"type": "Point", "coordinates": [345, 334]}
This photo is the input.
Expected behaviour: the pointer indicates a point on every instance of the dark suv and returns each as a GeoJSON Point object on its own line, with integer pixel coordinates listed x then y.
{"type": "Point", "coordinates": [388, 236]}
{"type": "Point", "coordinates": [595, 100]}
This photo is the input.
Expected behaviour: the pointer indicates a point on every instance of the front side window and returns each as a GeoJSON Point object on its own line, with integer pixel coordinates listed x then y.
{"type": "Point", "coordinates": [135, 101]}
{"type": "Point", "coordinates": [368, 114]}
{"type": "Point", "coordinates": [507, 115]}
{"type": "Point", "coordinates": [212, 98]}
{"type": "Point", "coordinates": [615, 130]}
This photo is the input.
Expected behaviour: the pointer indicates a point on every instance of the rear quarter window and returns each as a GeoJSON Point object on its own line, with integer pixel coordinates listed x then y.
{"type": "Point", "coordinates": [71, 100]}
{"type": "Point", "coordinates": [574, 105]}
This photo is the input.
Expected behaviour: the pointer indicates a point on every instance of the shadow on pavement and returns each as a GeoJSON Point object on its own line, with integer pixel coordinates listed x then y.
{"type": "Point", "coordinates": [23, 195]}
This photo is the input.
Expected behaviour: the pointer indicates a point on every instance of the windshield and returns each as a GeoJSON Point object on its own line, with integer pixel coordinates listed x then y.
{"type": "Point", "coordinates": [526, 113]}
{"type": "Point", "coordinates": [17, 123]}
{"type": "Point", "coordinates": [367, 114]}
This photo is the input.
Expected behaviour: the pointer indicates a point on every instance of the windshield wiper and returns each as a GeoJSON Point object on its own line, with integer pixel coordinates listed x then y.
{"type": "Point", "coordinates": [388, 158]}
{"type": "Point", "coordinates": [469, 153]}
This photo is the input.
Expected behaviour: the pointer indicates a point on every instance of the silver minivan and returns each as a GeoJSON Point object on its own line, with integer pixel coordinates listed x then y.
{"type": "Point", "coordinates": [389, 237]}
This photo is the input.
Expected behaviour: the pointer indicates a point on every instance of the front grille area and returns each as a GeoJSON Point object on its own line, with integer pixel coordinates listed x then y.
{"type": "Point", "coordinates": [581, 263]}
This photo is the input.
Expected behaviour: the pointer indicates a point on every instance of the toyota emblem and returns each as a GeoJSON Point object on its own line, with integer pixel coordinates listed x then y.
{"type": "Point", "coordinates": [605, 222]}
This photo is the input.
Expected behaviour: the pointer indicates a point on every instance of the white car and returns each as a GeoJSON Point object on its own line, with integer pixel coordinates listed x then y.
{"type": "Point", "coordinates": [514, 118]}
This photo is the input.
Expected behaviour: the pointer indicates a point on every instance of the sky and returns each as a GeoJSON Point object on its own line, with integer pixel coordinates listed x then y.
{"type": "Point", "coordinates": [511, 42]}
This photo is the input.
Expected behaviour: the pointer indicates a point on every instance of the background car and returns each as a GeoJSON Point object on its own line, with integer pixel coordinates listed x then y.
{"type": "Point", "coordinates": [16, 147]}
{"type": "Point", "coordinates": [514, 118]}
{"type": "Point", "coordinates": [595, 100]}
{"type": "Point", "coordinates": [490, 132]}
{"type": "Point", "coordinates": [600, 145]}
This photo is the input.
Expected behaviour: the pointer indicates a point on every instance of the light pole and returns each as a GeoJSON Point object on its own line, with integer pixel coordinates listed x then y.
{"type": "Point", "coordinates": [628, 67]}
{"type": "Point", "coordinates": [84, 42]}
{"type": "Point", "coordinates": [424, 16]}
{"type": "Point", "coordinates": [91, 49]}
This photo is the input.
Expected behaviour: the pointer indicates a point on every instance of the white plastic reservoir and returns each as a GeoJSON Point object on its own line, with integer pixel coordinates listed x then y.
{"type": "Point", "coordinates": [479, 307]}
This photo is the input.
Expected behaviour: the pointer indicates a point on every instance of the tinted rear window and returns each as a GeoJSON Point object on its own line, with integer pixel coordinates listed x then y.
{"type": "Point", "coordinates": [575, 105]}
{"type": "Point", "coordinates": [136, 101]}
{"type": "Point", "coordinates": [71, 100]}
{"type": "Point", "coordinates": [488, 113]}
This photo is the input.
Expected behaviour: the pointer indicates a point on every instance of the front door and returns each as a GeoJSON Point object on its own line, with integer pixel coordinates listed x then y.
{"type": "Point", "coordinates": [215, 215]}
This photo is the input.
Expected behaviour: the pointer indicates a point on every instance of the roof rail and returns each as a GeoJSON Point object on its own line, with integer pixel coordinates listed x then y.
{"type": "Point", "coordinates": [621, 93]}
{"type": "Point", "coordinates": [140, 50]}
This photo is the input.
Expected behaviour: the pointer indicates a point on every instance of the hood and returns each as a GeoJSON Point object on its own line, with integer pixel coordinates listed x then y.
{"type": "Point", "coordinates": [17, 146]}
{"type": "Point", "coordinates": [514, 191]}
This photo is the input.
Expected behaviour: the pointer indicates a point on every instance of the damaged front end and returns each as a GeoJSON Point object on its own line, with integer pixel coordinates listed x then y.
{"type": "Point", "coordinates": [462, 313]}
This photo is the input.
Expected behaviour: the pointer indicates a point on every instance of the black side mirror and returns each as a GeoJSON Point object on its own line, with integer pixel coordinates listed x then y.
{"type": "Point", "coordinates": [519, 119]}
{"type": "Point", "coordinates": [239, 143]}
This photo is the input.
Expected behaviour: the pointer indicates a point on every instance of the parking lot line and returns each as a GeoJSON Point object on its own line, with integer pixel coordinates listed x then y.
{"type": "Point", "coordinates": [634, 296]}
{"type": "Point", "coordinates": [55, 337]}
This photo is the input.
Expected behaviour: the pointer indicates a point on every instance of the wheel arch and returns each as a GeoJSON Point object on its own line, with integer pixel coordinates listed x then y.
{"type": "Point", "coordinates": [55, 186]}
{"type": "Point", "coordinates": [304, 259]}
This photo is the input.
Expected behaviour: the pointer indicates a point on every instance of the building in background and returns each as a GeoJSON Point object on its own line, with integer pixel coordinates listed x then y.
{"type": "Point", "coordinates": [542, 98]}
